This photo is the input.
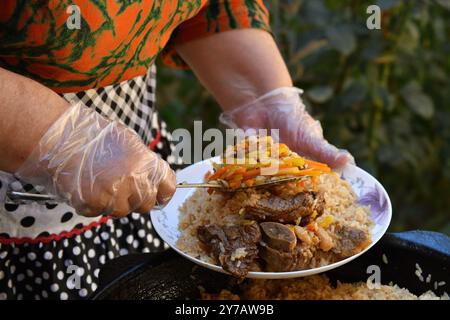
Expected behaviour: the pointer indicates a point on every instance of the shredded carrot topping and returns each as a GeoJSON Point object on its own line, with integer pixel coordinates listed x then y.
{"type": "Point", "coordinates": [244, 167]}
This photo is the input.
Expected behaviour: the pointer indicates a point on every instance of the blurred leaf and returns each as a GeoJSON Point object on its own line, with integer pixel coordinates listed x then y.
{"type": "Point", "coordinates": [387, 4]}
{"type": "Point", "coordinates": [409, 38]}
{"type": "Point", "coordinates": [316, 13]}
{"type": "Point", "coordinates": [418, 101]}
{"type": "Point", "coordinates": [341, 38]}
{"type": "Point", "coordinates": [383, 98]}
{"type": "Point", "coordinates": [385, 59]}
{"type": "Point", "coordinates": [444, 3]}
{"type": "Point", "coordinates": [439, 28]}
{"type": "Point", "coordinates": [373, 48]}
{"type": "Point", "coordinates": [307, 50]}
{"type": "Point", "coordinates": [438, 73]}
{"type": "Point", "coordinates": [354, 93]}
{"type": "Point", "coordinates": [320, 94]}
{"type": "Point", "coordinates": [389, 154]}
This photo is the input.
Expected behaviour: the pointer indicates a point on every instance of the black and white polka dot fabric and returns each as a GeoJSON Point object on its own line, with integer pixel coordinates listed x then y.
{"type": "Point", "coordinates": [49, 252]}
{"type": "Point", "coordinates": [130, 102]}
{"type": "Point", "coordinates": [68, 268]}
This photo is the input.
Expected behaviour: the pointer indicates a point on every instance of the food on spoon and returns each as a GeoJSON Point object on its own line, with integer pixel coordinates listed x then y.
{"type": "Point", "coordinates": [310, 222]}
{"type": "Point", "coordinates": [255, 161]}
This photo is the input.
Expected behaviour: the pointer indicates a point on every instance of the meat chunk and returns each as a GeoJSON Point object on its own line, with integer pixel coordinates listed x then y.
{"type": "Point", "coordinates": [278, 236]}
{"type": "Point", "coordinates": [276, 260]}
{"type": "Point", "coordinates": [280, 249]}
{"type": "Point", "coordinates": [281, 261]}
{"type": "Point", "coordinates": [235, 247]}
{"type": "Point", "coordinates": [351, 241]}
{"type": "Point", "coordinates": [278, 209]}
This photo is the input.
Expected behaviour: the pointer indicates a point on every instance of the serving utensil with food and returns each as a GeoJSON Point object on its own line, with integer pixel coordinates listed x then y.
{"type": "Point", "coordinates": [30, 196]}
{"type": "Point", "coordinates": [287, 217]}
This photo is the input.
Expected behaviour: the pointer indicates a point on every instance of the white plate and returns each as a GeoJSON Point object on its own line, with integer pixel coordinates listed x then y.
{"type": "Point", "coordinates": [368, 189]}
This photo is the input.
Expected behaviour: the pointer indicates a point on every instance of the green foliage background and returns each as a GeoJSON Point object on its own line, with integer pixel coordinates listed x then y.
{"type": "Point", "coordinates": [382, 94]}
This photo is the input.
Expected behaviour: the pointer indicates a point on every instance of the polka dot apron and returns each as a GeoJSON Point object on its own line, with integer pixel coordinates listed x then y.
{"type": "Point", "coordinates": [47, 251]}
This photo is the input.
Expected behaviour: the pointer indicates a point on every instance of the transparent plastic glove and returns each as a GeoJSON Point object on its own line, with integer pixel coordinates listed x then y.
{"type": "Point", "coordinates": [98, 166]}
{"type": "Point", "coordinates": [283, 109]}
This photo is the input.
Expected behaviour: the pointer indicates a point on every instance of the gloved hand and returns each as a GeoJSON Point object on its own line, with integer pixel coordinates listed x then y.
{"type": "Point", "coordinates": [283, 109]}
{"type": "Point", "coordinates": [98, 166]}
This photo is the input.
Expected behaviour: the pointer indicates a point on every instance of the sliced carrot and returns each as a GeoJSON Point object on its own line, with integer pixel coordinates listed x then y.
{"type": "Point", "coordinates": [315, 162]}
{"type": "Point", "coordinates": [249, 182]}
{"type": "Point", "coordinates": [327, 170]}
{"type": "Point", "coordinates": [240, 170]}
{"type": "Point", "coordinates": [274, 170]}
{"type": "Point", "coordinates": [287, 171]}
{"type": "Point", "coordinates": [308, 172]}
{"type": "Point", "coordinates": [318, 165]}
{"type": "Point", "coordinates": [236, 172]}
{"type": "Point", "coordinates": [323, 169]}
{"type": "Point", "coordinates": [311, 227]}
{"type": "Point", "coordinates": [218, 173]}
{"type": "Point", "coordinates": [229, 172]}
{"type": "Point", "coordinates": [305, 171]}
{"type": "Point", "coordinates": [237, 177]}
{"type": "Point", "coordinates": [281, 166]}
{"type": "Point", "coordinates": [251, 174]}
{"type": "Point", "coordinates": [235, 184]}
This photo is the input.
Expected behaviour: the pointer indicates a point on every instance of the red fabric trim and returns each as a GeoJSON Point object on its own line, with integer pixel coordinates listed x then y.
{"type": "Point", "coordinates": [155, 141]}
{"type": "Point", "coordinates": [57, 237]}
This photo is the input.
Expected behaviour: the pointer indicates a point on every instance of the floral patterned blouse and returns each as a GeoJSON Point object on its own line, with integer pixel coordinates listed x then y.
{"type": "Point", "coordinates": [117, 39]}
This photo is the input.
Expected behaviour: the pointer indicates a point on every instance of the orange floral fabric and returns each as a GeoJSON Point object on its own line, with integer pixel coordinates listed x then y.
{"type": "Point", "coordinates": [117, 39]}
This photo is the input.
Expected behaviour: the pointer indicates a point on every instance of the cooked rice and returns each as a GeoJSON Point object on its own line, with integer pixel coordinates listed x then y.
{"type": "Point", "coordinates": [418, 268]}
{"type": "Point", "coordinates": [202, 209]}
{"type": "Point", "coordinates": [238, 253]}
{"type": "Point", "coordinates": [318, 287]}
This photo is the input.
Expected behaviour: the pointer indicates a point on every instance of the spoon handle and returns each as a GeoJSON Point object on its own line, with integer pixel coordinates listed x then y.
{"type": "Point", "coordinates": [24, 196]}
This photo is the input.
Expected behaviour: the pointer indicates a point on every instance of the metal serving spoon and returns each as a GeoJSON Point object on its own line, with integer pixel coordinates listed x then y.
{"type": "Point", "coordinates": [25, 196]}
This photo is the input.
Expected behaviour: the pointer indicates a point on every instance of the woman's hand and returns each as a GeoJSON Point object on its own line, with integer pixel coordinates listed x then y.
{"type": "Point", "coordinates": [283, 109]}
{"type": "Point", "coordinates": [98, 166]}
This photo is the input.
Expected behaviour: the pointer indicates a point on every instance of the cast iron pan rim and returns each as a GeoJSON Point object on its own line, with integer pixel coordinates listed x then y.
{"type": "Point", "coordinates": [428, 242]}
{"type": "Point", "coordinates": [157, 258]}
